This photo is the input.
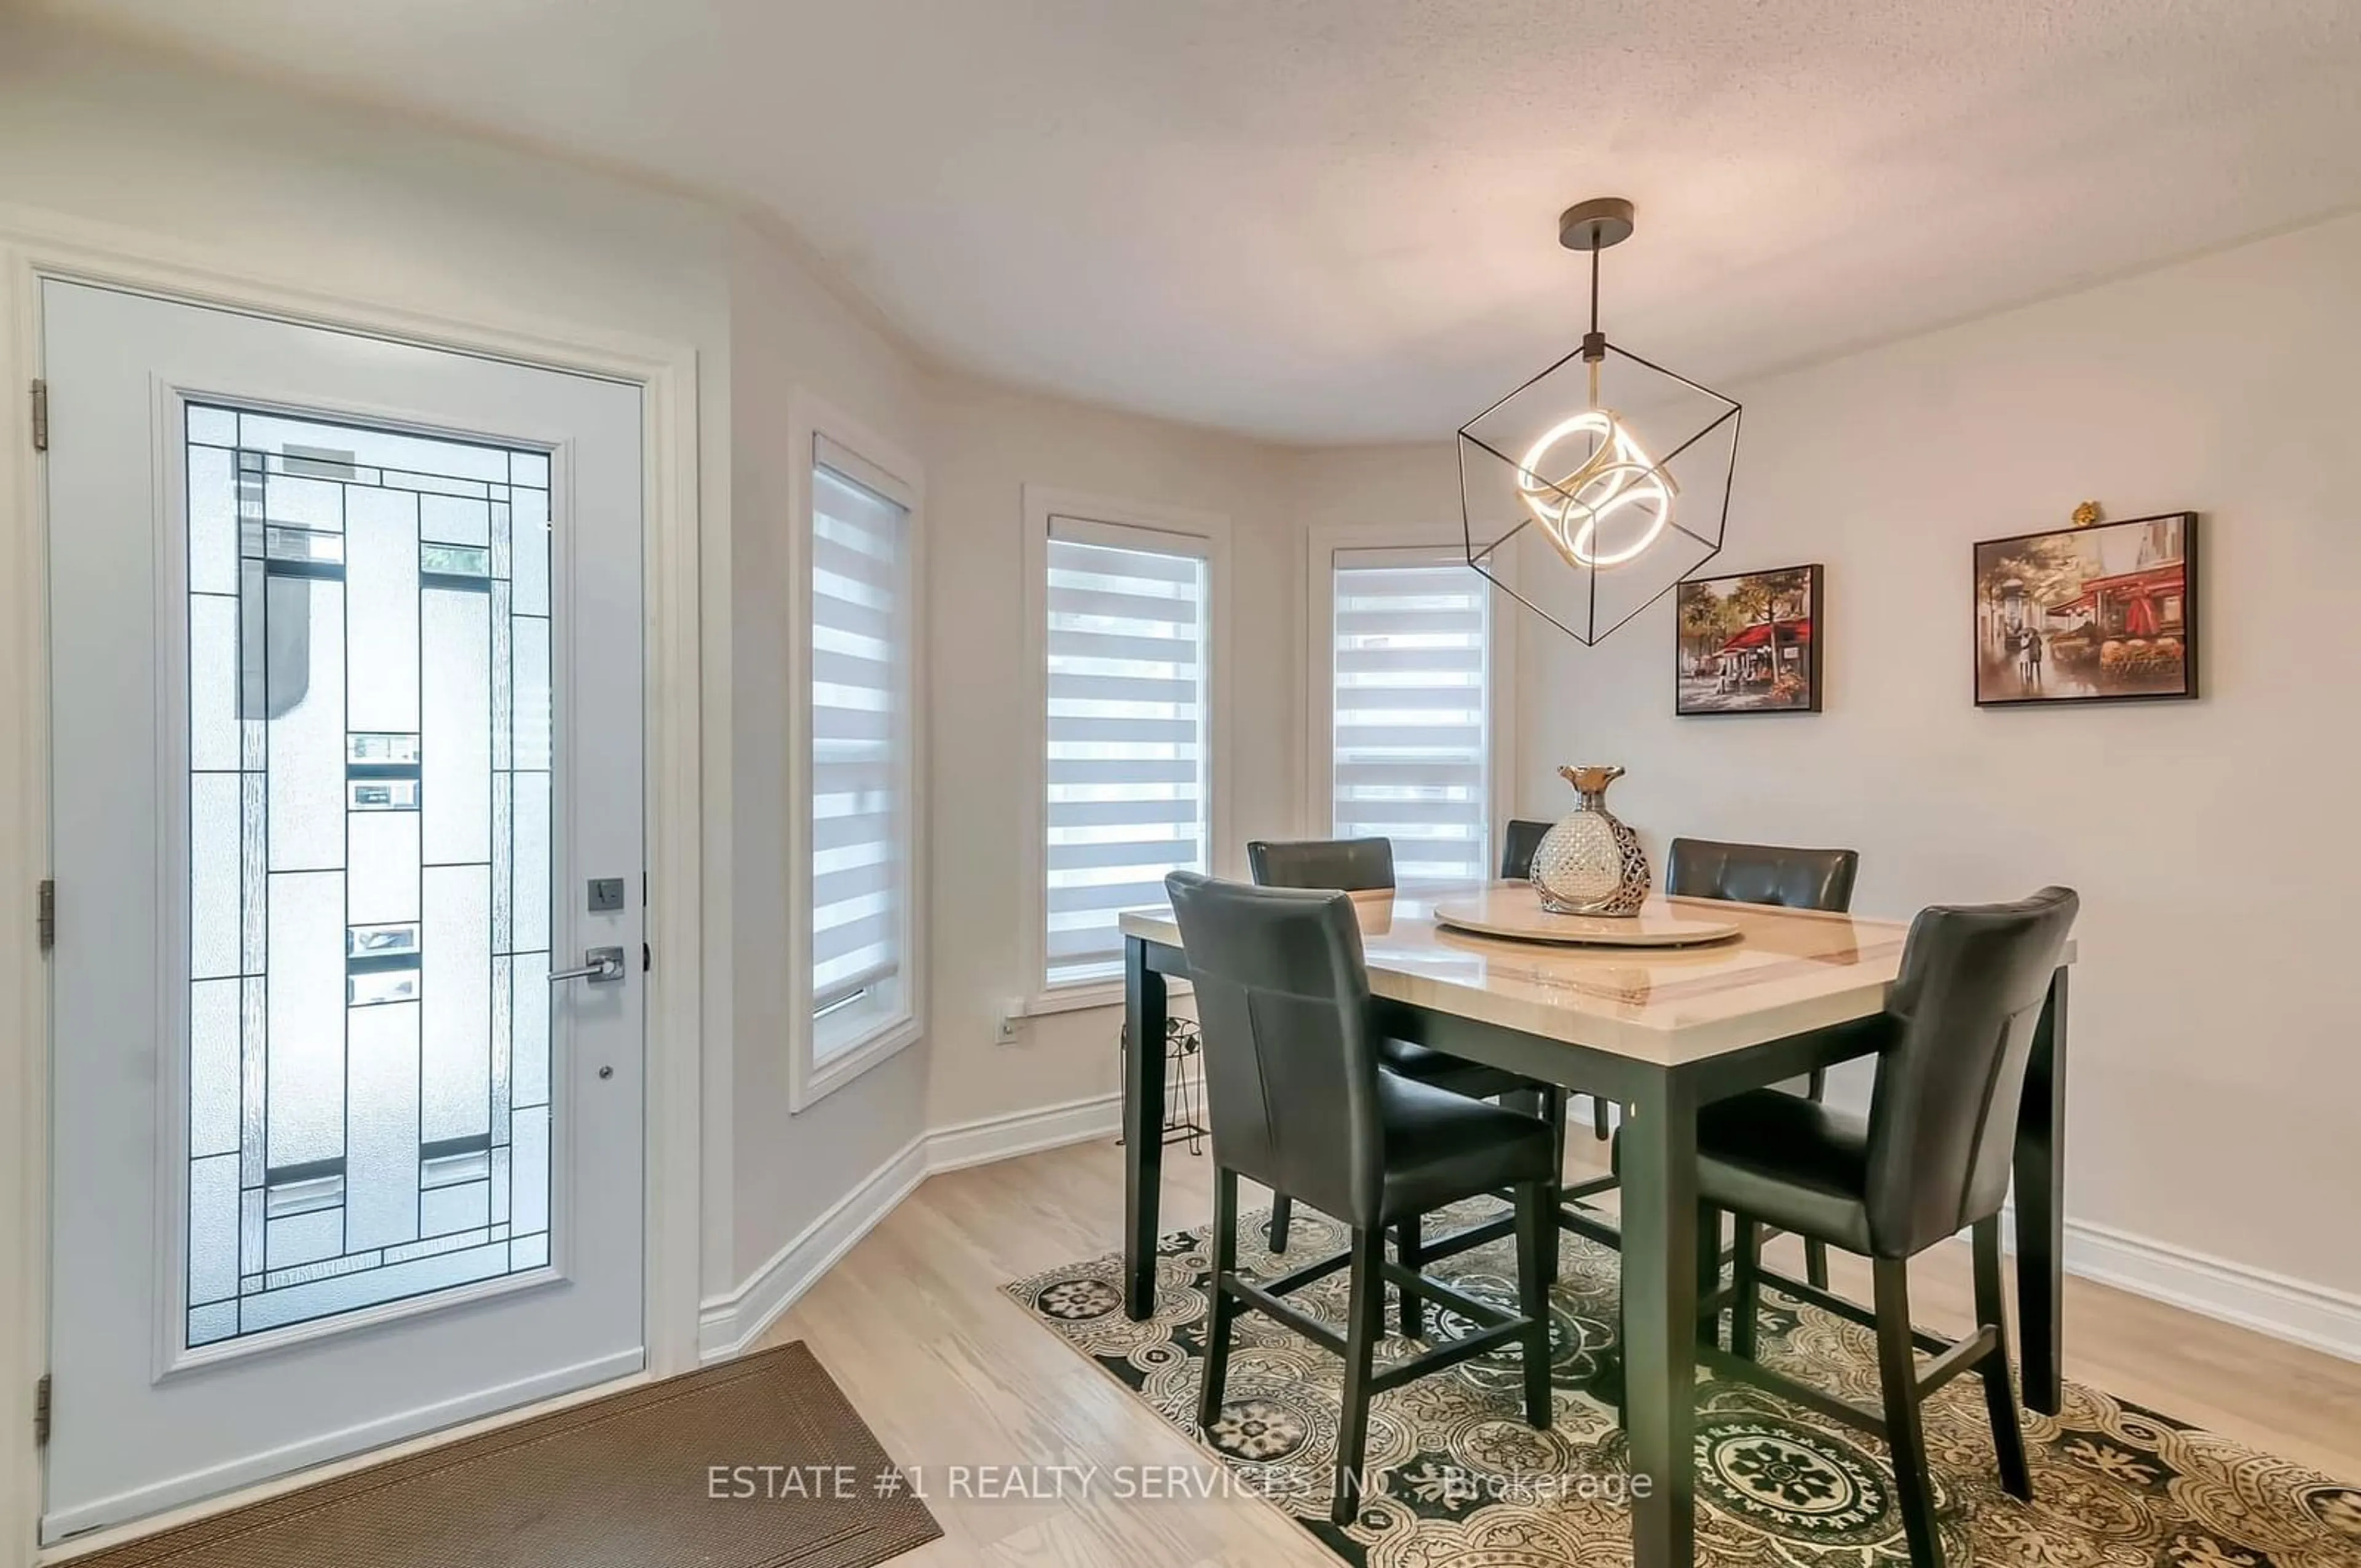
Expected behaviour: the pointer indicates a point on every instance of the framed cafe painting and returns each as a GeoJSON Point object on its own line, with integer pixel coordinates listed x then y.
{"type": "Point", "coordinates": [2103, 613]}
{"type": "Point", "coordinates": [1749, 644]}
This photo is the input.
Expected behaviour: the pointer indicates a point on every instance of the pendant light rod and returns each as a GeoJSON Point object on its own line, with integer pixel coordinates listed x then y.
{"type": "Point", "coordinates": [1593, 226]}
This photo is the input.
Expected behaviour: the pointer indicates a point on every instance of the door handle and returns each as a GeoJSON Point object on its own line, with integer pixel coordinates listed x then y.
{"type": "Point", "coordinates": [599, 966]}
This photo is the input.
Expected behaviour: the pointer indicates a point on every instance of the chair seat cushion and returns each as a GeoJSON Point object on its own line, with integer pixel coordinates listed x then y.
{"type": "Point", "coordinates": [1790, 1162]}
{"type": "Point", "coordinates": [1455, 1074]}
{"type": "Point", "coordinates": [1442, 1146]}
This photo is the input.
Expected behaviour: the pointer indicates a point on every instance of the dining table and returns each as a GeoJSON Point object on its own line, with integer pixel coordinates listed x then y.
{"type": "Point", "coordinates": [1659, 1031]}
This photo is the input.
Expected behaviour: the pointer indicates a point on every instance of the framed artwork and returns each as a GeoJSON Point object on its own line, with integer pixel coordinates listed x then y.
{"type": "Point", "coordinates": [1749, 644]}
{"type": "Point", "coordinates": [2106, 613]}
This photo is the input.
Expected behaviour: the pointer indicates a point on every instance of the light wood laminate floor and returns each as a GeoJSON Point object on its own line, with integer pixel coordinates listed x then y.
{"type": "Point", "coordinates": [949, 1371]}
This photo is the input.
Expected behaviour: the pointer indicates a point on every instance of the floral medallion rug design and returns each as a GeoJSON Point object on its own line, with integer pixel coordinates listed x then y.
{"type": "Point", "coordinates": [1457, 1480]}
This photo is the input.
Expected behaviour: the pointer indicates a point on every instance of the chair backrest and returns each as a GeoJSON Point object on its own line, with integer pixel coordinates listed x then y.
{"type": "Point", "coordinates": [1942, 1120]}
{"type": "Point", "coordinates": [1291, 1065]}
{"type": "Point", "coordinates": [1517, 846]}
{"type": "Point", "coordinates": [1345, 865]}
{"type": "Point", "coordinates": [1761, 873]}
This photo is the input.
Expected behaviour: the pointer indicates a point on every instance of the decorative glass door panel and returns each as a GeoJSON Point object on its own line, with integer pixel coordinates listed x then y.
{"type": "Point", "coordinates": [345, 690]}
{"type": "Point", "coordinates": [369, 827]}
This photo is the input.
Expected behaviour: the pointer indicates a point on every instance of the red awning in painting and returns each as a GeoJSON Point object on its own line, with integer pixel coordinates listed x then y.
{"type": "Point", "coordinates": [1756, 635]}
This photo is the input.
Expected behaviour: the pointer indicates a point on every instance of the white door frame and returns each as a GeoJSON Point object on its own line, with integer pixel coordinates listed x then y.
{"type": "Point", "coordinates": [35, 246]}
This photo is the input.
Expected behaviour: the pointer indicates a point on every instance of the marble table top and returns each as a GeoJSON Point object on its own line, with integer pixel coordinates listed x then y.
{"type": "Point", "coordinates": [1788, 971]}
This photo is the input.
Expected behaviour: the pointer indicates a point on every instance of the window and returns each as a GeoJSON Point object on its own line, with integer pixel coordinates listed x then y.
{"type": "Point", "coordinates": [1128, 697]}
{"type": "Point", "coordinates": [861, 768]}
{"type": "Point", "coordinates": [1410, 703]}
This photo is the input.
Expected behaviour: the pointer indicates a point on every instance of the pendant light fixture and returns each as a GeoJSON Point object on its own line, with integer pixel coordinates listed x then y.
{"type": "Point", "coordinates": [1621, 519]}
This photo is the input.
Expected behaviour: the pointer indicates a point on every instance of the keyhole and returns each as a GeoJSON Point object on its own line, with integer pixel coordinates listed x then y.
{"type": "Point", "coordinates": [606, 1072]}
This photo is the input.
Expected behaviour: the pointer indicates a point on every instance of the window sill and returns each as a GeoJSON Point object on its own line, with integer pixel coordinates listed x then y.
{"type": "Point", "coordinates": [813, 1081]}
{"type": "Point", "coordinates": [1087, 995]}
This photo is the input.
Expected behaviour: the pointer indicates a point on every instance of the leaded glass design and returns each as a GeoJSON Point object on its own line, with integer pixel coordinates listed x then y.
{"type": "Point", "coordinates": [368, 713]}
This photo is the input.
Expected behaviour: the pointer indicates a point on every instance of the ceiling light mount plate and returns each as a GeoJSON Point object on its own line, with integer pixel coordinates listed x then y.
{"type": "Point", "coordinates": [1594, 225]}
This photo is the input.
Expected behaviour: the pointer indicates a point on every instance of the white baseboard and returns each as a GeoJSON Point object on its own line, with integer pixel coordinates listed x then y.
{"type": "Point", "coordinates": [728, 1325]}
{"type": "Point", "coordinates": [2293, 1310]}
{"type": "Point", "coordinates": [1026, 1132]}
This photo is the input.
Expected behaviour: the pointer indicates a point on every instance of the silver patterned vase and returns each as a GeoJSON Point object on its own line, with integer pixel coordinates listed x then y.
{"type": "Point", "coordinates": [1591, 864]}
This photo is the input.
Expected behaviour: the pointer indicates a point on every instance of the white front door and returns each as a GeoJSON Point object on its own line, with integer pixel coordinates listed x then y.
{"type": "Point", "coordinates": [345, 726]}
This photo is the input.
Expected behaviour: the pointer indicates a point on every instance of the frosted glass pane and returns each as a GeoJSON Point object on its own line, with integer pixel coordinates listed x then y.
{"type": "Point", "coordinates": [456, 1046]}
{"type": "Point", "coordinates": [381, 1163]}
{"type": "Point", "coordinates": [306, 1086]}
{"type": "Point", "coordinates": [529, 468]}
{"type": "Point", "coordinates": [213, 1229]}
{"type": "Point", "coordinates": [216, 427]}
{"type": "Point", "coordinates": [530, 915]}
{"type": "Point", "coordinates": [501, 1162]}
{"type": "Point", "coordinates": [306, 1238]}
{"type": "Point", "coordinates": [362, 856]}
{"type": "Point", "coordinates": [456, 725]}
{"type": "Point", "coordinates": [301, 1303]}
{"type": "Point", "coordinates": [529, 527]}
{"type": "Point", "coordinates": [213, 521]}
{"type": "Point", "coordinates": [503, 1037]}
{"type": "Point", "coordinates": [373, 448]}
{"type": "Point", "coordinates": [449, 1209]}
{"type": "Point", "coordinates": [381, 590]}
{"type": "Point", "coordinates": [213, 867]}
{"type": "Point", "coordinates": [529, 1164]}
{"type": "Point", "coordinates": [531, 697]}
{"type": "Point", "coordinates": [254, 835]}
{"type": "Point", "coordinates": [307, 728]}
{"type": "Point", "coordinates": [503, 680]}
{"type": "Point", "coordinates": [528, 1252]}
{"type": "Point", "coordinates": [254, 1068]}
{"type": "Point", "coordinates": [435, 1247]}
{"type": "Point", "coordinates": [304, 503]}
{"type": "Point", "coordinates": [209, 1323]}
{"type": "Point", "coordinates": [454, 521]}
{"type": "Point", "coordinates": [213, 741]}
{"type": "Point", "coordinates": [216, 1111]}
{"type": "Point", "coordinates": [384, 851]}
{"type": "Point", "coordinates": [503, 864]}
{"type": "Point", "coordinates": [529, 1052]}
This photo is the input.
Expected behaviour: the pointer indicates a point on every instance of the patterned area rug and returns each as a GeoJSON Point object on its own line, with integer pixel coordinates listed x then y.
{"type": "Point", "coordinates": [1458, 1480]}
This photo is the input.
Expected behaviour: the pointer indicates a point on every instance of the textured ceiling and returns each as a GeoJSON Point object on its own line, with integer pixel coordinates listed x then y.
{"type": "Point", "coordinates": [1336, 219]}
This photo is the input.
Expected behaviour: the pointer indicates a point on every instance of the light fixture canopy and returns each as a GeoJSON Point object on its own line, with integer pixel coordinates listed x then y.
{"type": "Point", "coordinates": [1626, 523]}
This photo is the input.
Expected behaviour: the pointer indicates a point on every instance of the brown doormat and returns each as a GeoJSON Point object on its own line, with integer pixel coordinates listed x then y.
{"type": "Point", "coordinates": [759, 1463]}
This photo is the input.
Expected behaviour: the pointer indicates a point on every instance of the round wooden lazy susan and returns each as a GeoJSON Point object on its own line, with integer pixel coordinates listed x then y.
{"type": "Point", "coordinates": [1516, 912]}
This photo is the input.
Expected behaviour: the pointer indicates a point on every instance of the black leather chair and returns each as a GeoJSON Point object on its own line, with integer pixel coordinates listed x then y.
{"type": "Point", "coordinates": [1761, 873]}
{"type": "Point", "coordinates": [1931, 1159]}
{"type": "Point", "coordinates": [1769, 873]}
{"type": "Point", "coordinates": [1367, 865]}
{"type": "Point", "coordinates": [1299, 1103]}
{"type": "Point", "coordinates": [1518, 843]}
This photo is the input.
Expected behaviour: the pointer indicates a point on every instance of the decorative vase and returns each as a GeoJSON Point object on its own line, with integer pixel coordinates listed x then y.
{"type": "Point", "coordinates": [1591, 864]}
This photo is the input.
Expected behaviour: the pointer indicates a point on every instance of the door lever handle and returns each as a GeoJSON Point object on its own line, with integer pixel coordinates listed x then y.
{"type": "Point", "coordinates": [599, 966]}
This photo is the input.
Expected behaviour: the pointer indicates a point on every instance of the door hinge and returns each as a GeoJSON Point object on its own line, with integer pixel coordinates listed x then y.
{"type": "Point", "coordinates": [41, 415]}
{"type": "Point", "coordinates": [41, 1412]}
{"type": "Point", "coordinates": [647, 957]}
{"type": "Point", "coordinates": [44, 913]}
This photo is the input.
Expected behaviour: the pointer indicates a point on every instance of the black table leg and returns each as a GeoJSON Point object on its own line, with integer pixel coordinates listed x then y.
{"type": "Point", "coordinates": [1143, 1125]}
{"type": "Point", "coordinates": [1660, 1327]}
{"type": "Point", "coordinates": [2040, 1169]}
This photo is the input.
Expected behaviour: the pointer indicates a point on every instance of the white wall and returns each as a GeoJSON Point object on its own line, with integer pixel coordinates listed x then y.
{"type": "Point", "coordinates": [262, 180]}
{"type": "Point", "coordinates": [782, 1172]}
{"type": "Point", "coordinates": [258, 177]}
{"type": "Point", "coordinates": [990, 441]}
{"type": "Point", "coordinates": [2214, 1070]}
